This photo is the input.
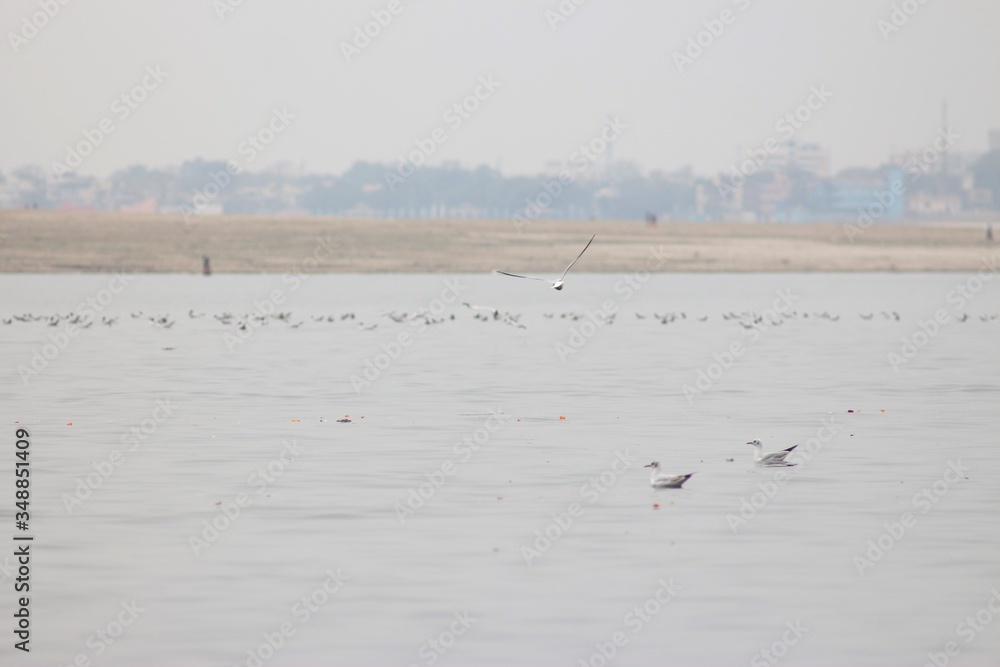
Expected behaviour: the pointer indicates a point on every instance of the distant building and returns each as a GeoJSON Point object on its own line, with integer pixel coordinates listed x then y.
{"type": "Point", "coordinates": [995, 140]}
{"type": "Point", "coordinates": [766, 195]}
{"type": "Point", "coordinates": [809, 158]}
{"type": "Point", "coordinates": [878, 194]}
{"type": "Point", "coordinates": [979, 198]}
{"type": "Point", "coordinates": [923, 204]}
{"type": "Point", "coordinates": [960, 163]}
{"type": "Point", "coordinates": [72, 191]}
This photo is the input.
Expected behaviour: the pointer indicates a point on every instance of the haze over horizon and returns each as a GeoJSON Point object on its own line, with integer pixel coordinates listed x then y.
{"type": "Point", "coordinates": [227, 66]}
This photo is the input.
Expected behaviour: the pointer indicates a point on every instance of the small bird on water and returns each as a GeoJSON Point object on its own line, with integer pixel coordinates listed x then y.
{"type": "Point", "coordinates": [658, 481]}
{"type": "Point", "coordinates": [772, 460]}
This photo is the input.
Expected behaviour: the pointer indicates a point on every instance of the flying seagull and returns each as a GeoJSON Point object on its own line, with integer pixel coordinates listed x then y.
{"type": "Point", "coordinates": [556, 284]}
{"type": "Point", "coordinates": [772, 460]}
{"type": "Point", "coordinates": [658, 481]}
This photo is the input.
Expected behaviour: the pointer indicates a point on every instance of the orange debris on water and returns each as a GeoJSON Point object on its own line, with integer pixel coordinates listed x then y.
{"type": "Point", "coordinates": [562, 416]}
{"type": "Point", "coordinates": [882, 411]}
{"type": "Point", "coordinates": [656, 506]}
{"type": "Point", "coordinates": [69, 423]}
{"type": "Point", "coordinates": [295, 420]}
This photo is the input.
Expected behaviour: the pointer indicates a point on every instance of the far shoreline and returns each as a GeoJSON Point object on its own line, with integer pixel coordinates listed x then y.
{"type": "Point", "coordinates": [41, 241]}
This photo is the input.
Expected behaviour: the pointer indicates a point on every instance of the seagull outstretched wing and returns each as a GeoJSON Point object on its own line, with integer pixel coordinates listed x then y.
{"type": "Point", "coordinates": [514, 275]}
{"type": "Point", "coordinates": [578, 257]}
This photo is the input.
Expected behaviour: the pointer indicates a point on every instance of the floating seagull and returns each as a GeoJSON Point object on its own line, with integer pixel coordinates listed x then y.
{"type": "Point", "coordinates": [772, 460]}
{"type": "Point", "coordinates": [556, 284]}
{"type": "Point", "coordinates": [658, 481]}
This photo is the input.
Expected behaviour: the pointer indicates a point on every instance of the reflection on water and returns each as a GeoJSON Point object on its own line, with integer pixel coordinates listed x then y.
{"type": "Point", "coordinates": [458, 519]}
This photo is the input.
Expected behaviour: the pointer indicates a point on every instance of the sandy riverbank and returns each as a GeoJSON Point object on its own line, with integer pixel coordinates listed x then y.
{"type": "Point", "coordinates": [98, 241]}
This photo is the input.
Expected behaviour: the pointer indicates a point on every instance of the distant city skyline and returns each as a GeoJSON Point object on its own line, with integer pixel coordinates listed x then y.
{"type": "Point", "coordinates": [514, 85]}
{"type": "Point", "coordinates": [779, 181]}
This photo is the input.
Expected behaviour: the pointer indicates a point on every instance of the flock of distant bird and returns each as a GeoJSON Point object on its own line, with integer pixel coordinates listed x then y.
{"type": "Point", "coordinates": [244, 321]}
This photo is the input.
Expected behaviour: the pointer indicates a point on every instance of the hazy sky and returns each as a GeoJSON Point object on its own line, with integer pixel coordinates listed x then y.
{"type": "Point", "coordinates": [225, 76]}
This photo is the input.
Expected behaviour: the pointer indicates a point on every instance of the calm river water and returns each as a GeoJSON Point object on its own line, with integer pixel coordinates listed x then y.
{"type": "Point", "coordinates": [194, 500]}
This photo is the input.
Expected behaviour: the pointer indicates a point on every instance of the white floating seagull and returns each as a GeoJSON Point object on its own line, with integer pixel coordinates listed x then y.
{"type": "Point", "coordinates": [772, 460]}
{"type": "Point", "coordinates": [556, 284]}
{"type": "Point", "coordinates": [658, 481]}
